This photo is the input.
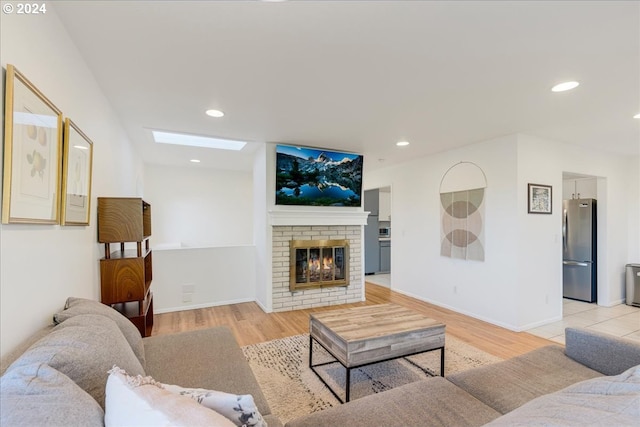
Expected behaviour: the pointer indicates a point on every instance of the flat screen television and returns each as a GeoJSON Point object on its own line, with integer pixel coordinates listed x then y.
{"type": "Point", "coordinates": [317, 177]}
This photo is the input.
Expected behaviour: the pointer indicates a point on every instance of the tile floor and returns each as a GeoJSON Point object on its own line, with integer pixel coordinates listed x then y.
{"type": "Point", "coordinates": [621, 320]}
{"type": "Point", "coordinates": [383, 279]}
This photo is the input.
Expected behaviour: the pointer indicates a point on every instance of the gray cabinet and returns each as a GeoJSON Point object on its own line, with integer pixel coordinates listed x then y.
{"type": "Point", "coordinates": [385, 256]}
{"type": "Point", "coordinates": [372, 202]}
{"type": "Point", "coordinates": [371, 248]}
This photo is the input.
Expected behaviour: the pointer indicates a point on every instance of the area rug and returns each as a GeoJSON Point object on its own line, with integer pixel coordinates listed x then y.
{"type": "Point", "coordinates": [292, 389]}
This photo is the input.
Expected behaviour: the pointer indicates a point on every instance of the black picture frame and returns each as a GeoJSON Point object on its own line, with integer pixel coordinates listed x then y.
{"type": "Point", "coordinates": [539, 200]}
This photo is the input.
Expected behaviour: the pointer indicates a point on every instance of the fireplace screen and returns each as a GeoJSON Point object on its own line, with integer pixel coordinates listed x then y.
{"type": "Point", "coordinates": [319, 263]}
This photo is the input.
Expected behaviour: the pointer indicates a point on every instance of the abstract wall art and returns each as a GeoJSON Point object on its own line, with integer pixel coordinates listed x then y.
{"type": "Point", "coordinates": [462, 212]}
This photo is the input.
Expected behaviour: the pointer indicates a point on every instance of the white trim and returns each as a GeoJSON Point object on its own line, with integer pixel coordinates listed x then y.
{"type": "Point", "coordinates": [204, 305]}
{"type": "Point", "coordinates": [317, 218]}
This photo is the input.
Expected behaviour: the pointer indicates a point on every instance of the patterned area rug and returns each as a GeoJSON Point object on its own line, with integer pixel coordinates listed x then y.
{"type": "Point", "coordinates": [292, 389]}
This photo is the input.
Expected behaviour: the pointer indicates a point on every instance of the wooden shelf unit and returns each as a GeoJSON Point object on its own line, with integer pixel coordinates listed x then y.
{"type": "Point", "coordinates": [126, 274]}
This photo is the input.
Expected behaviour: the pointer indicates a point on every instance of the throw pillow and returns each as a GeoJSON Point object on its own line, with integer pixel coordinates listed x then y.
{"type": "Point", "coordinates": [240, 409]}
{"type": "Point", "coordinates": [84, 348]}
{"type": "Point", "coordinates": [38, 395]}
{"type": "Point", "coordinates": [138, 401]}
{"type": "Point", "coordinates": [76, 306]}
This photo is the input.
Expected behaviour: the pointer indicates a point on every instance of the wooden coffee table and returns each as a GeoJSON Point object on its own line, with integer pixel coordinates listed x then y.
{"type": "Point", "coordinates": [361, 336]}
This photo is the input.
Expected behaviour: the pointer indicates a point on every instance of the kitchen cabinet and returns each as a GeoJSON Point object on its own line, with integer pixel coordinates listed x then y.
{"type": "Point", "coordinates": [385, 256]}
{"type": "Point", "coordinates": [584, 188]}
{"type": "Point", "coordinates": [371, 248]}
{"type": "Point", "coordinates": [372, 202]}
{"type": "Point", "coordinates": [384, 206]}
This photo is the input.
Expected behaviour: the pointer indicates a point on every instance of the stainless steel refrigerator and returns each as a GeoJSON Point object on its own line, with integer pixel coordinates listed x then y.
{"type": "Point", "coordinates": [579, 269]}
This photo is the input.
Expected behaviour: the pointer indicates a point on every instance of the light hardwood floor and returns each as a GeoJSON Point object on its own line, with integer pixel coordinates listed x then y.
{"type": "Point", "coordinates": [251, 325]}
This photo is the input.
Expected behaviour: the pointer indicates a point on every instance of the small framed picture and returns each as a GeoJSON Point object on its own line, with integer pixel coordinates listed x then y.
{"type": "Point", "coordinates": [539, 199]}
{"type": "Point", "coordinates": [76, 176]}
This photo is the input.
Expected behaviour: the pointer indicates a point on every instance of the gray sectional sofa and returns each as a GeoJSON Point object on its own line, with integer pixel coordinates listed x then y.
{"type": "Point", "coordinates": [58, 378]}
{"type": "Point", "coordinates": [594, 381]}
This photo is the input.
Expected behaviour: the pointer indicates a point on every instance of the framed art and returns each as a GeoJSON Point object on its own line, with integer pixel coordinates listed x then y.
{"type": "Point", "coordinates": [76, 176]}
{"type": "Point", "coordinates": [539, 199]}
{"type": "Point", "coordinates": [32, 154]}
{"type": "Point", "coordinates": [307, 176]}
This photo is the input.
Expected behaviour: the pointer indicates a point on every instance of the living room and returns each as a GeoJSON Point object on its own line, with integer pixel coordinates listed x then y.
{"type": "Point", "coordinates": [42, 265]}
{"type": "Point", "coordinates": [466, 83]}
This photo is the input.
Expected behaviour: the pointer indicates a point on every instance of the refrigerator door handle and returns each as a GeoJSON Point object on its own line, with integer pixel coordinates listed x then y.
{"type": "Point", "coordinates": [565, 228]}
{"type": "Point", "coordinates": [577, 263]}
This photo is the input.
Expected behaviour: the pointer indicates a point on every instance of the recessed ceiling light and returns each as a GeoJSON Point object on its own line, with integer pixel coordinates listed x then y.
{"type": "Point", "coordinates": [80, 147]}
{"type": "Point", "coordinates": [214, 113]}
{"type": "Point", "coordinates": [197, 141]}
{"type": "Point", "coordinates": [194, 161]}
{"type": "Point", "coordinates": [637, 116]}
{"type": "Point", "coordinates": [564, 86]}
{"type": "Point", "coordinates": [402, 143]}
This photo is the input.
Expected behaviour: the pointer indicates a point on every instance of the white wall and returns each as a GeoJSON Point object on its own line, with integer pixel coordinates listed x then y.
{"type": "Point", "coordinates": [199, 207]}
{"type": "Point", "coordinates": [40, 266]}
{"type": "Point", "coordinates": [262, 230]}
{"type": "Point", "coordinates": [190, 278]}
{"type": "Point", "coordinates": [634, 211]}
{"type": "Point", "coordinates": [204, 219]}
{"type": "Point", "coordinates": [520, 283]}
{"type": "Point", "coordinates": [418, 269]}
{"type": "Point", "coordinates": [618, 218]}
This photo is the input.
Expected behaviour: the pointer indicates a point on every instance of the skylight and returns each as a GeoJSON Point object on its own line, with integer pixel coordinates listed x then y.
{"type": "Point", "coordinates": [197, 141]}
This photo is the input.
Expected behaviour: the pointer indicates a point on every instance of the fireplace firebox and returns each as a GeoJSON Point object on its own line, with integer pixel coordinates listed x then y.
{"type": "Point", "coordinates": [318, 263]}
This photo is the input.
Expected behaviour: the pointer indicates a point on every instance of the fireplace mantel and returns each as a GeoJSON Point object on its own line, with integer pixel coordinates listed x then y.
{"type": "Point", "coordinates": [317, 217]}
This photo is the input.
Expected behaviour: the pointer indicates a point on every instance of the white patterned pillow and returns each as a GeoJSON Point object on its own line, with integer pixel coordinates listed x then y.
{"type": "Point", "coordinates": [240, 409]}
{"type": "Point", "coordinates": [140, 402]}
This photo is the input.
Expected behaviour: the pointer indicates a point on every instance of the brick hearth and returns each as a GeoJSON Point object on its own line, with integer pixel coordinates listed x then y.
{"type": "Point", "coordinates": [283, 298]}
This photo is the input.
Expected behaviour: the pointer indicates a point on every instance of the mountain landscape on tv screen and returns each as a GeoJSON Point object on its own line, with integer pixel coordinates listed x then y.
{"type": "Point", "coordinates": [313, 177]}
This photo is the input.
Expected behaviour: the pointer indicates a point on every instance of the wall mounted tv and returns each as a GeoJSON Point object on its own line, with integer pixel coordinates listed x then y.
{"type": "Point", "coordinates": [317, 177]}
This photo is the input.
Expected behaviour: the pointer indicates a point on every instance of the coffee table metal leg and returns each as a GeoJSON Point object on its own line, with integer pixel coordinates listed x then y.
{"type": "Point", "coordinates": [348, 385]}
{"type": "Point", "coordinates": [348, 373]}
{"type": "Point", "coordinates": [313, 368]}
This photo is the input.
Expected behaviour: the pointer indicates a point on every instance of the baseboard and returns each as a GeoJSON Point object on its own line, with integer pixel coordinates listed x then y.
{"type": "Point", "coordinates": [457, 310]}
{"type": "Point", "coordinates": [203, 305]}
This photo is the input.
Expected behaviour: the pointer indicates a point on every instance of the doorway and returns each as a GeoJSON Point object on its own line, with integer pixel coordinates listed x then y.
{"type": "Point", "coordinates": [378, 235]}
{"type": "Point", "coordinates": [585, 237]}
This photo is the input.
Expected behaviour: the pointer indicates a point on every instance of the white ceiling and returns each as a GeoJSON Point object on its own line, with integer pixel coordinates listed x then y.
{"type": "Point", "coordinates": [361, 75]}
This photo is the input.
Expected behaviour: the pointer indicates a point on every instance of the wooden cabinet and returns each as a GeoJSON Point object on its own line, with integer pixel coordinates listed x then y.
{"type": "Point", "coordinates": [126, 273]}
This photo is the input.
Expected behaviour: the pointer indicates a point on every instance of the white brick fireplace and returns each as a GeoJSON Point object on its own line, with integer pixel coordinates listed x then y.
{"type": "Point", "coordinates": [317, 225]}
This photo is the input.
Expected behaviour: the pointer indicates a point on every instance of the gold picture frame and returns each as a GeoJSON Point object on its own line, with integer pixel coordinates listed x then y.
{"type": "Point", "coordinates": [76, 176]}
{"type": "Point", "coordinates": [32, 154]}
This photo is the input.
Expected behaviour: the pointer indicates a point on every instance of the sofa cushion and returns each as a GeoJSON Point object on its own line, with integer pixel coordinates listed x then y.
{"type": "Point", "coordinates": [84, 348]}
{"type": "Point", "coordinates": [509, 384]}
{"type": "Point", "coordinates": [602, 352]}
{"type": "Point", "coordinates": [430, 402]}
{"type": "Point", "coordinates": [604, 401]}
{"type": "Point", "coordinates": [76, 306]}
{"type": "Point", "coordinates": [38, 395]}
{"type": "Point", "coordinates": [143, 404]}
{"type": "Point", "coordinates": [207, 358]}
